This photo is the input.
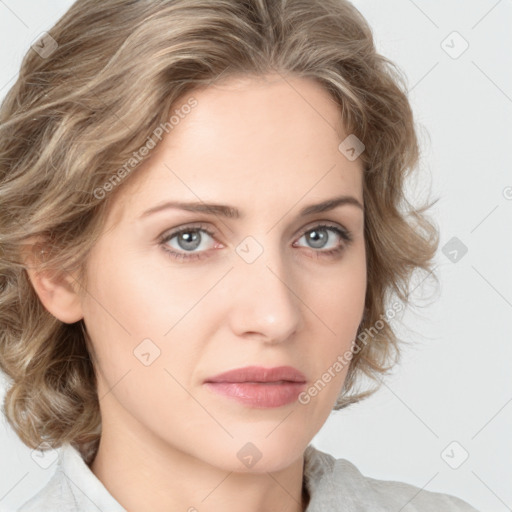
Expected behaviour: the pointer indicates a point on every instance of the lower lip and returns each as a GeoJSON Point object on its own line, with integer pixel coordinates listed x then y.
{"type": "Point", "coordinates": [259, 395]}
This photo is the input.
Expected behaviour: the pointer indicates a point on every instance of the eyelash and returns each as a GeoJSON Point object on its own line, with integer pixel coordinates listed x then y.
{"type": "Point", "coordinates": [166, 237]}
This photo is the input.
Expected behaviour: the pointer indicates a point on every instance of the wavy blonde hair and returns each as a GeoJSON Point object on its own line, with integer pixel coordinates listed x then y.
{"type": "Point", "coordinates": [76, 116]}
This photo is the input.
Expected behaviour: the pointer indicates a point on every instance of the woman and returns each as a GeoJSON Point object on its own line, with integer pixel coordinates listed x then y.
{"type": "Point", "coordinates": [204, 234]}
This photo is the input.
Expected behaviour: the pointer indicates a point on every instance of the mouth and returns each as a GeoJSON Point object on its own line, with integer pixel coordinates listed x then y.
{"type": "Point", "coordinates": [259, 387]}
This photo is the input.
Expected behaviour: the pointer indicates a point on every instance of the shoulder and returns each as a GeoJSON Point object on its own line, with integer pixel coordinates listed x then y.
{"type": "Point", "coordinates": [53, 496]}
{"type": "Point", "coordinates": [337, 483]}
{"type": "Point", "coordinates": [72, 488]}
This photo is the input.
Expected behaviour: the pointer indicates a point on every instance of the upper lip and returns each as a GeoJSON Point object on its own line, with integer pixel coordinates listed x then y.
{"type": "Point", "coordinates": [260, 374]}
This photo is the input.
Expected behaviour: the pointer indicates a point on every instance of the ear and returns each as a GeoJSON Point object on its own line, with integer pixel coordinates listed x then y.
{"type": "Point", "coordinates": [57, 290]}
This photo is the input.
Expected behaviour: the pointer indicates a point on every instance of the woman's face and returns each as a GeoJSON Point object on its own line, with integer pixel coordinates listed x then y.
{"type": "Point", "coordinates": [268, 287]}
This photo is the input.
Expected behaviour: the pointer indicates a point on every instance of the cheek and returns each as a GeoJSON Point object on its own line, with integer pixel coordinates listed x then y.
{"type": "Point", "coordinates": [136, 298]}
{"type": "Point", "coordinates": [136, 310]}
{"type": "Point", "coordinates": [341, 303]}
{"type": "Point", "coordinates": [338, 311]}
{"type": "Point", "coordinates": [120, 311]}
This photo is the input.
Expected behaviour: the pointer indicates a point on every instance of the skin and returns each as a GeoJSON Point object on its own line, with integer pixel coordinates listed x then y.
{"type": "Point", "coordinates": [269, 147]}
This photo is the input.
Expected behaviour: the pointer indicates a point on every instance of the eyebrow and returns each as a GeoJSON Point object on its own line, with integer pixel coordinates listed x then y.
{"type": "Point", "coordinates": [234, 213]}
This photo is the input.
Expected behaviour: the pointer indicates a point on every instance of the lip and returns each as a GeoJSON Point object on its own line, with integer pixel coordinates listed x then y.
{"type": "Point", "coordinates": [258, 387]}
{"type": "Point", "coordinates": [260, 374]}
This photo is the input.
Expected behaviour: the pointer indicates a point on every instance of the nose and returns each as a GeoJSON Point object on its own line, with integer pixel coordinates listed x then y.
{"type": "Point", "coordinates": [264, 303]}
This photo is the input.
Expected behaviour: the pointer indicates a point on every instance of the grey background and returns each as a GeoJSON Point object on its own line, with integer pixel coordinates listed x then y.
{"type": "Point", "coordinates": [452, 395]}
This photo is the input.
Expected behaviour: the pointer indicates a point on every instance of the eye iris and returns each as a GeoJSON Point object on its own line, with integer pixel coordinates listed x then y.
{"type": "Point", "coordinates": [188, 240]}
{"type": "Point", "coordinates": [318, 237]}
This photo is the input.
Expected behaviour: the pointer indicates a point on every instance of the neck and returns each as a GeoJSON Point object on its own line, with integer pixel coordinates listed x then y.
{"type": "Point", "coordinates": [143, 472]}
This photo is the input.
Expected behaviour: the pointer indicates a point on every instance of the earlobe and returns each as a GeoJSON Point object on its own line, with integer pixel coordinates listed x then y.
{"type": "Point", "coordinates": [57, 291]}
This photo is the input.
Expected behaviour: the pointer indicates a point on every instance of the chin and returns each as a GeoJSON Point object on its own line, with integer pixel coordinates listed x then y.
{"type": "Point", "coordinates": [257, 456]}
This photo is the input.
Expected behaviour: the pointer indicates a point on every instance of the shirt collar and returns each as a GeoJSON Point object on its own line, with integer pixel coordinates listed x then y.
{"type": "Point", "coordinates": [84, 485]}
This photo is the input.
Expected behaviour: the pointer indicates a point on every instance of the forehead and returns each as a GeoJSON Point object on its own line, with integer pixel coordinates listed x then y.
{"type": "Point", "coordinates": [248, 141]}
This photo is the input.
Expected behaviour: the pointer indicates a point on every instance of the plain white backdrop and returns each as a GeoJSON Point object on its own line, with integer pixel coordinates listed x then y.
{"type": "Point", "coordinates": [443, 420]}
